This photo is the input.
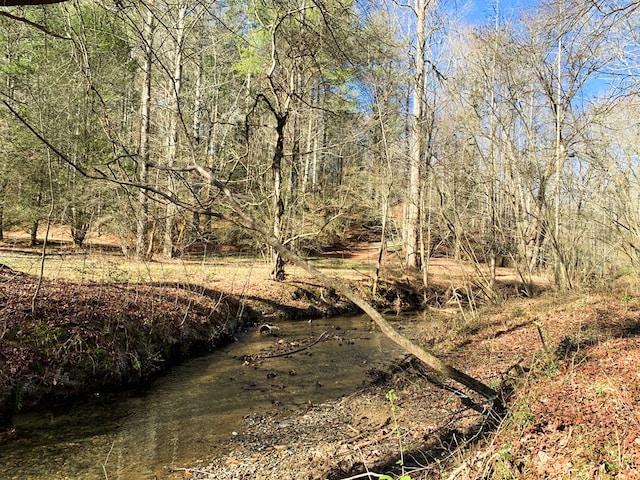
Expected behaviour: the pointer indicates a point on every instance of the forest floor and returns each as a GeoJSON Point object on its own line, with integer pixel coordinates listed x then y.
{"type": "Point", "coordinates": [568, 365]}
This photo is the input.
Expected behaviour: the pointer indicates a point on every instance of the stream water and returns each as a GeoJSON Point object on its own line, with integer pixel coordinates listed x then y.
{"type": "Point", "coordinates": [188, 414]}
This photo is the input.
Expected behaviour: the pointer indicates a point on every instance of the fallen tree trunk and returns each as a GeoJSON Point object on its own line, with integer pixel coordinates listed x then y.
{"type": "Point", "coordinates": [424, 355]}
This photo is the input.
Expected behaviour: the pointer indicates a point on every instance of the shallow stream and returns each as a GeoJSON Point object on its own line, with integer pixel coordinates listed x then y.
{"type": "Point", "coordinates": [190, 413]}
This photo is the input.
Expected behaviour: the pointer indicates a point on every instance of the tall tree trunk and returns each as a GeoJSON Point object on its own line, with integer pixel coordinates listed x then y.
{"type": "Point", "coordinates": [142, 222]}
{"type": "Point", "coordinates": [540, 229]}
{"type": "Point", "coordinates": [34, 233]}
{"type": "Point", "coordinates": [277, 272]}
{"type": "Point", "coordinates": [3, 198]}
{"type": "Point", "coordinates": [175, 84]}
{"type": "Point", "coordinates": [294, 187]}
{"type": "Point", "coordinates": [384, 214]}
{"type": "Point", "coordinates": [311, 138]}
{"type": "Point", "coordinates": [416, 141]}
{"type": "Point", "coordinates": [196, 132]}
{"type": "Point", "coordinates": [36, 223]}
{"type": "Point", "coordinates": [385, 195]}
{"type": "Point", "coordinates": [494, 153]}
{"type": "Point", "coordinates": [560, 267]}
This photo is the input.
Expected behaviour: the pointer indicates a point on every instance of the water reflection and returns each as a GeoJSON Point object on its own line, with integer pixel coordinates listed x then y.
{"type": "Point", "coordinates": [190, 413]}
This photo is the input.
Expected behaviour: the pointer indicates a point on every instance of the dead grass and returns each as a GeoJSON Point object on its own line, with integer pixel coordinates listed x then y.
{"type": "Point", "coordinates": [101, 261]}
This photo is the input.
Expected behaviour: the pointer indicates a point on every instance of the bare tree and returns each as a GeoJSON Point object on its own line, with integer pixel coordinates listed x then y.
{"type": "Point", "coordinates": [143, 242]}
{"type": "Point", "coordinates": [174, 91]}
{"type": "Point", "coordinates": [416, 140]}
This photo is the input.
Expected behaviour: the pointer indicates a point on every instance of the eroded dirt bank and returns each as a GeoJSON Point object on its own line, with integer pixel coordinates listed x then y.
{"type": "Point", "coordinates": [79, 338]}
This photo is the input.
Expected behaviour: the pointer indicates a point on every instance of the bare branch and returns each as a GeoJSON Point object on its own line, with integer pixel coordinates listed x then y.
{"type": "Point", "coordinates": [37, 26]}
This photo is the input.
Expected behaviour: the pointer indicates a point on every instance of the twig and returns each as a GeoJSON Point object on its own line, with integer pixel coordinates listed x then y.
{"type": "Point", "coordinates": [365, 475]}
{"type": "Point", "coordinates": [106, 460]}
{"type": "Point", "coordinates": [187, 470]}
{"type": "Point", "coordinates": [544, 344]}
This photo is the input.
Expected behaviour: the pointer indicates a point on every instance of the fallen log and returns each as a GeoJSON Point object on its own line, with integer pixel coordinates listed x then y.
{"type": "Point", "coordinates": [429, 359]}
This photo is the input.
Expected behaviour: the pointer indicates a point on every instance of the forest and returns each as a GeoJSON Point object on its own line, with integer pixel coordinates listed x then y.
{"type": "Point", "coordinates": [496, 139]}
{"type": "Point", "coordinates": [510, 141]}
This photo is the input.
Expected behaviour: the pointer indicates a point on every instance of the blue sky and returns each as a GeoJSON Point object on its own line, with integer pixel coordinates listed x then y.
{"type": "Point", "coordinates": [482, 11]}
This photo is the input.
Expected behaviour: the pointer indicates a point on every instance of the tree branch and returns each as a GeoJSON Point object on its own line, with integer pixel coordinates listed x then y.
{"type": "Point", "coordinates": [29, 22]}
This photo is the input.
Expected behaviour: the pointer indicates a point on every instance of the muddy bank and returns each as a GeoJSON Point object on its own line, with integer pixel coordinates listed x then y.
{"type": "Point", "coordinates": [570, 364]}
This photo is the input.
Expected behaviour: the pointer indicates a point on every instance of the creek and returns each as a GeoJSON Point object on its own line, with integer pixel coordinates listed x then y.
{"type": "Point", "coordinates": [192, 412]}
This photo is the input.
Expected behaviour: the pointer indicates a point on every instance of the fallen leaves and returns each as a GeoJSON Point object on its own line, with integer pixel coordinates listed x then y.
{"type": "Point", "coordinates": [88, 336]}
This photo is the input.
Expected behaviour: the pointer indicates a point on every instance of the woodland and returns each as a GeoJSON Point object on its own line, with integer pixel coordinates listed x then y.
{"type": "Point", "coordinates": [294, 129]}
{"type": "Point", "coordinates": [507, 142]}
